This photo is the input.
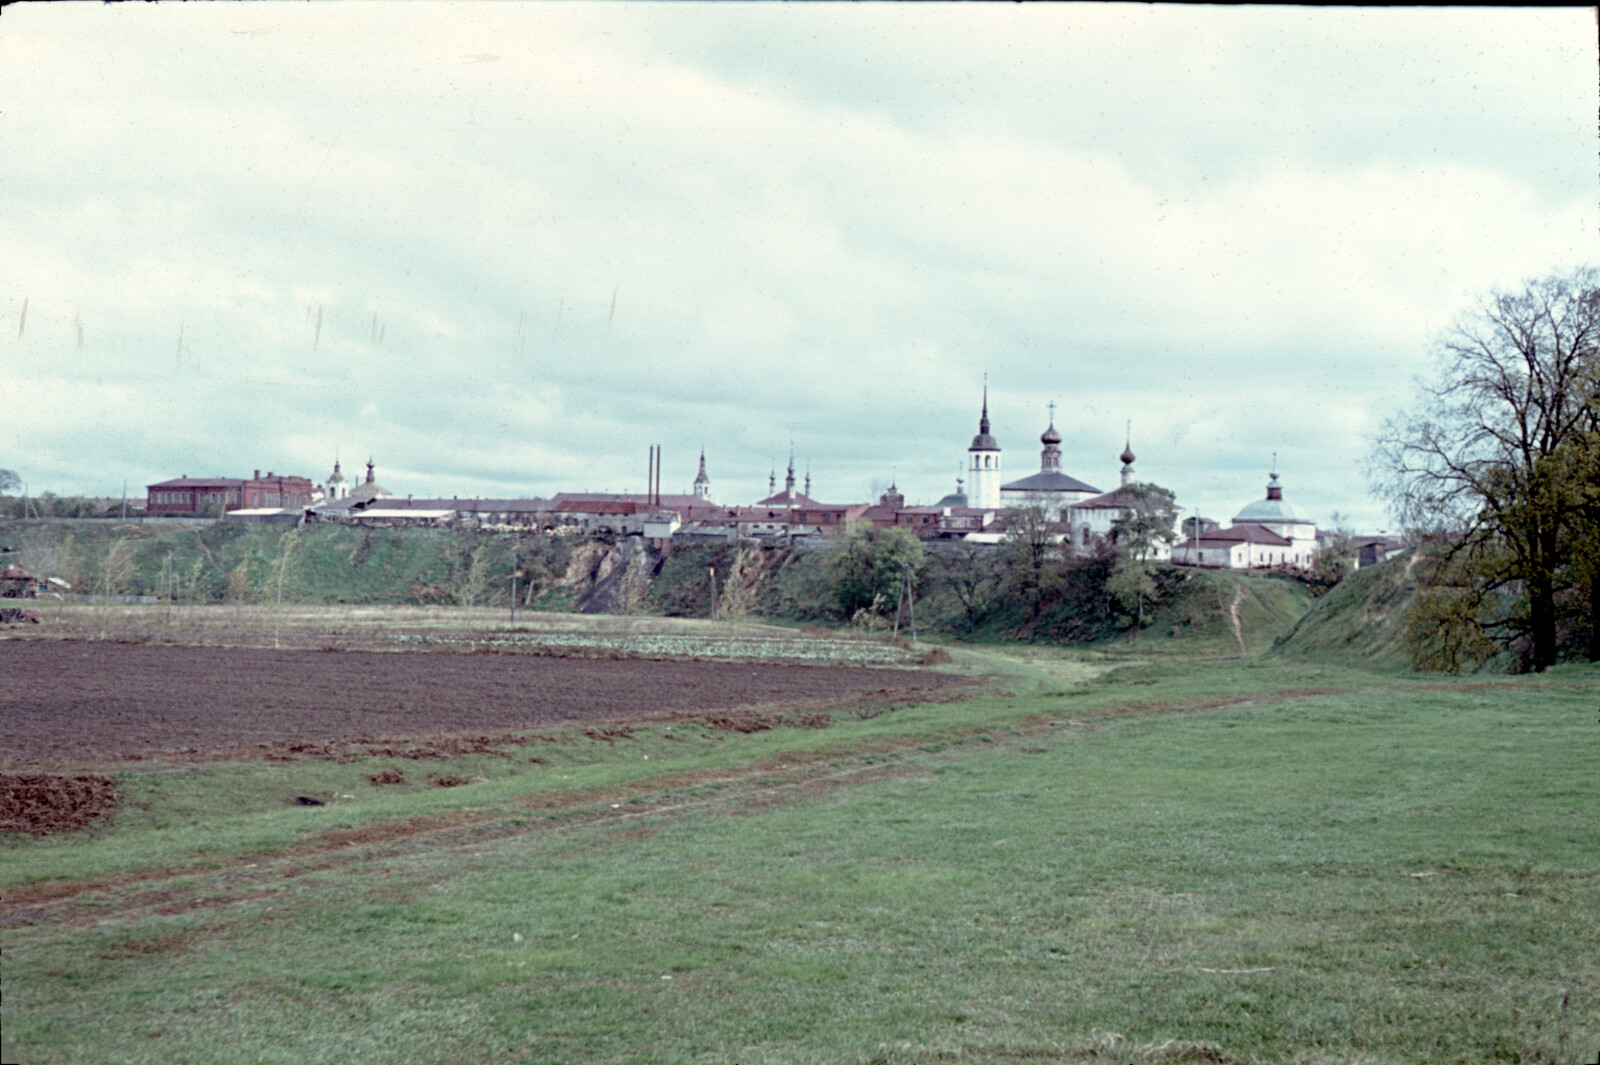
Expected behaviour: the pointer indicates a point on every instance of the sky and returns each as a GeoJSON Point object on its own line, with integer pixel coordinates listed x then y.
{"type": "Point", "coordinates": [502, 249]}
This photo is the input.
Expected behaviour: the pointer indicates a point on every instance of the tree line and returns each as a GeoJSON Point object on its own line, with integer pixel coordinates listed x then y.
{"type": "Point", "coordinates": [969, 585]}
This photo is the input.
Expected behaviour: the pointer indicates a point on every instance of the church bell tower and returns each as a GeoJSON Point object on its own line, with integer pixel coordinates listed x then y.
{"type": "Point", "coordinates": [983, 462]}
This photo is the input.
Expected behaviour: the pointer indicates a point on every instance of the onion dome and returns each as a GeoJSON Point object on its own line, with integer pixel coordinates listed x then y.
{"type": "Point", "coordinates": [1050, 436]}
{"type": "Point", "coordinates": [1127, 454]}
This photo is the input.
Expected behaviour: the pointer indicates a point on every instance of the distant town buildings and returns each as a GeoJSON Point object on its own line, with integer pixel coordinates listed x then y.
{"type": "Point", "coordinates": [1082, 519]}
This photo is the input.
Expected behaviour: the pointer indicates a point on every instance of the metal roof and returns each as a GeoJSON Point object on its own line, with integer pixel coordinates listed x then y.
{"type": "Point", "coordinates": [1049, 481]}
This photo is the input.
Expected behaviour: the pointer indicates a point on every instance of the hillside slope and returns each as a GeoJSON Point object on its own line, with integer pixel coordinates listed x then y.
{"type": "Point", "coordinates": [1222, 614]}
{"type": "Point", "coordinates": [1359, 622]}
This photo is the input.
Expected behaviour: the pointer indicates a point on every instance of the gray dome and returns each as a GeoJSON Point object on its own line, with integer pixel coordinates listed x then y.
{"type": "Point", "coordinates": [1270, 512]}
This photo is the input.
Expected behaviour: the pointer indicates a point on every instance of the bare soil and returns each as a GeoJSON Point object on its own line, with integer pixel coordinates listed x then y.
{"type": "Point", "coordinates": [44, 804]}
{"type": "Point", "coordinates": [68, 705]}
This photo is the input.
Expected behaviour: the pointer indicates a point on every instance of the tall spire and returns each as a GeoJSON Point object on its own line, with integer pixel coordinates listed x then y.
{"type": "Point", "coordinates": [702, 483]}
{"type": "Point", "coordinates": [983, 419]}
{"type": "Point", "coordinates": [772, 479]}
{"type": "Point", "coordinates": [1127, 454]}
{"type": "Point", "coordinates": [808, 479]}
{"type": "Point", "coordinates": [788, 480]}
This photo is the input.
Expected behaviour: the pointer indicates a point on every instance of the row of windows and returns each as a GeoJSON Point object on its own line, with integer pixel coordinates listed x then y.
{"type": "Point", "coordinates": [204, 497]}
{"type": "Point", "coordinates": [264, 499]}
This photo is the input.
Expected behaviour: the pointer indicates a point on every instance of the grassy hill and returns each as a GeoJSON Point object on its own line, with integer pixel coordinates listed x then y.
{"type": "Point", "coordinates": [1200, 616]}
{"type": "Point", "coordinates": [1359, 622]}
{"type": "Point", "coordinates": [1193, 614]}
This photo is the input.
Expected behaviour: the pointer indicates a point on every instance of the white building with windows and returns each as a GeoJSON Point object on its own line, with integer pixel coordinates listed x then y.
{"type": "Point", "coordinates": [1266, 534]}
{"type": "Point", "coordinates": [983, 464]}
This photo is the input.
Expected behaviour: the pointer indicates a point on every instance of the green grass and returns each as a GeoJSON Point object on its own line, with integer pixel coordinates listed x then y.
{"type": "Point", "coordinates": [1031, 877]}
{"type": "Point", "coordinates": [1359, 622]}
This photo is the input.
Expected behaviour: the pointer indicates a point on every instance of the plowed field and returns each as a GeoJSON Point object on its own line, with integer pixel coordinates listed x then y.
{"type": "Point", "coordinates": [66, 704]}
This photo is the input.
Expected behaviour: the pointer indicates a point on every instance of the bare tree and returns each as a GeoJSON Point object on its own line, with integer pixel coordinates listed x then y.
{"type": "Point", "coordinates": [1474, 464]}
{"type": "Point", "coordinates": [970, 574]}
{"type": "Point", "coordinates": [1027, 550]}
{"type": "Point", "coordinates": [738, 586]}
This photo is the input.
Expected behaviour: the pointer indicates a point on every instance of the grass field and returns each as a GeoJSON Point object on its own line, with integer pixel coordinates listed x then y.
{"type": "Point", "coordinates": [1252, 861]}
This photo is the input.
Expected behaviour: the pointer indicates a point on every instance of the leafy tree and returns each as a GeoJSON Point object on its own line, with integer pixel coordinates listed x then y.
{"type": "Point", "coordinates": [1149, 519]}
{"type": "Point", "coordinates": [1578, 472]}
{"type": "Point", "coordinates": [1336, 556]}
{"type": "Point", "coordinates": [1477, 464]}
{"type": "Point", "coordinates": [9, 481]}
{"type": "Point", "coordinates": [1129, 584]}
{"type": "Point", "coordinates": [1450, 627]}
{"type": "Point", "coordinates": [867, 565]}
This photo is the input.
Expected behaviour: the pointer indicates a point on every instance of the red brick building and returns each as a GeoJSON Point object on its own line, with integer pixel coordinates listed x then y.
{"type": "Point", "coordinates": [187, 496]}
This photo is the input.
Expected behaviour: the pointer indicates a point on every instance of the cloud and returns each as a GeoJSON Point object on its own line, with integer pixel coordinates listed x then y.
{"type": "Point", "coordinates": [741, 226]}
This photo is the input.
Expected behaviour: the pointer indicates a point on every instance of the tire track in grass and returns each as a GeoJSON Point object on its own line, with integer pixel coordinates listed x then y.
{"type": "Point", "coordinates": [755, 786]}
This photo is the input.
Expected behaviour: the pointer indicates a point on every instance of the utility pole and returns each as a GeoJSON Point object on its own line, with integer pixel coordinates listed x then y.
{"type": "Point", "coordinates": [907, 603]}
{"type": "Point", "coordinates": [513, 579]}
{"type": "Point", "coordinates": [911, 608]}
{"type": "Point", "coordinates": [713, 571]}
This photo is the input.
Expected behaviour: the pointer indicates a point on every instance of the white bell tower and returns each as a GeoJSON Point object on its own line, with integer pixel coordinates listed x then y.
{"type": "Point", "coordinates": [983, 462]}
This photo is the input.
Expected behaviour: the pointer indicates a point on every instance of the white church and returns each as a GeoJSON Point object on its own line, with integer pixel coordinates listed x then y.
{"type": "Point", "coordinates": [1086, 512]}
{"type": "Point", "coordinates": [1266, 534]}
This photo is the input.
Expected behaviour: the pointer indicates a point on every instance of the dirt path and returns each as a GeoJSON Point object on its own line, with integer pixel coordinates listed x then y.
{"type": "Point", "coordinates": [1233, 616]}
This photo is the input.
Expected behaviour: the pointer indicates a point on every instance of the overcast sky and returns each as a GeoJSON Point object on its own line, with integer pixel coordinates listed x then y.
{"type": "Point", "coordinates": [504, 248]}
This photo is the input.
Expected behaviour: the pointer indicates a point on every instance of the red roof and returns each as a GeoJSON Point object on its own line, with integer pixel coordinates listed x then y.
{"type": "Point", "coordinates": [595, 506]}
{"type": "Point", "coordinates": [1253, 534]}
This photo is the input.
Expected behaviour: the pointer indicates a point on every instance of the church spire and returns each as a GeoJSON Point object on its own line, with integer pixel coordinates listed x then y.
{"type": "Point", "coordinates": [1127, 454]}
{"type": "Point", "coordinates": [788, 480]}
{"type": "Point", "coordinates": [702, 483]}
